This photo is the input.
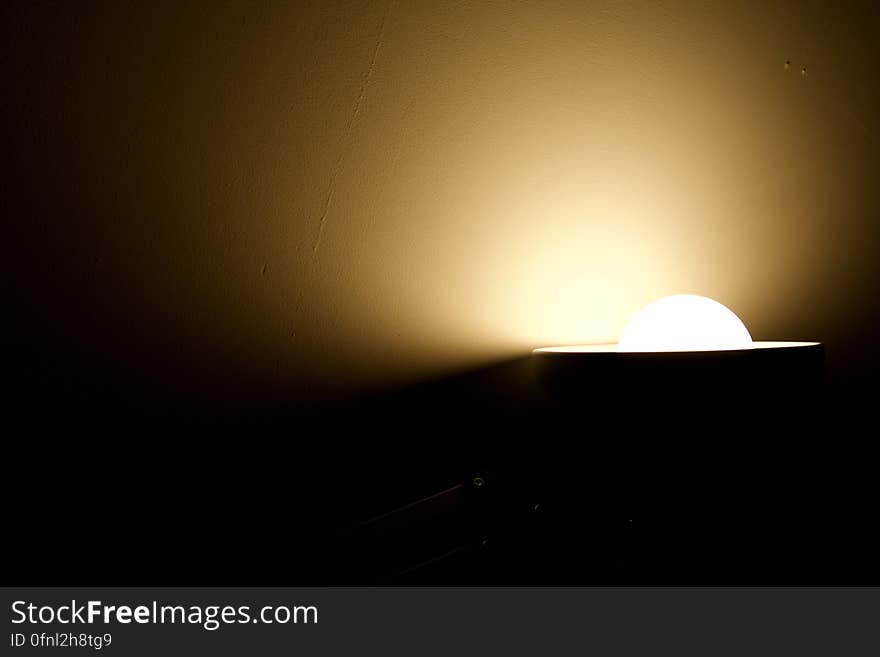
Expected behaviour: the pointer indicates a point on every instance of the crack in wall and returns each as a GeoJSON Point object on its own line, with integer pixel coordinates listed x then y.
{"type": "Point", "coordinates": [349, 129]}
{"type": "Point", "coordinates": [337, 167]}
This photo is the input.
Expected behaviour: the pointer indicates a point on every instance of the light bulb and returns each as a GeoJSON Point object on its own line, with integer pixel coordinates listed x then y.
{"type": "Point", "coordinates": [684, 322]}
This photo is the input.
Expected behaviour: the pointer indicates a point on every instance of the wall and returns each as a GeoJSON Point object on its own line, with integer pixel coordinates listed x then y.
{"type": "Point", "coordinates": [285, 201]}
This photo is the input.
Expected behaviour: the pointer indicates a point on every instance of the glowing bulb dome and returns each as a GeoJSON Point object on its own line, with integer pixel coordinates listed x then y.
{"type": "Point", "coordinates": [684, 322]}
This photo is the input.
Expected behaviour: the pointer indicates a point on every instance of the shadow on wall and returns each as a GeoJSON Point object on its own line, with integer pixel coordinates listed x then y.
{"type": "Point", "coordinates": [725, 486]}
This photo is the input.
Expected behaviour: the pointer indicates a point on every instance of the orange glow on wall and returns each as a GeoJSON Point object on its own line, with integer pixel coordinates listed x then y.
{"type": "Point", "coordinates": [296, 188]}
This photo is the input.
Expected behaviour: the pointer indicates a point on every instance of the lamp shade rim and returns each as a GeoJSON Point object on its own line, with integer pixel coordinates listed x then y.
{"type": "Point", "coordinates": [612, 348]}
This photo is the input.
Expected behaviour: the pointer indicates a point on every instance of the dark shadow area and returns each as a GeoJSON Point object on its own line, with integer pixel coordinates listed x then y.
{"type": "Point", "coordinates": [478, 478]}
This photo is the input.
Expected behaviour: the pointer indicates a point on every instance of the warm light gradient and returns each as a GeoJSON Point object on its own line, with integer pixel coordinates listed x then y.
{"type": "Point", "coordinates": [684, 322]}
{"type": "Point", "coordinates": [269, 199]}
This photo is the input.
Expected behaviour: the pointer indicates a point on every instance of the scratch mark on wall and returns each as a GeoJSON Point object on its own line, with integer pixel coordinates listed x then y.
{"type": "Point", "coordinates": [337, 167]}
